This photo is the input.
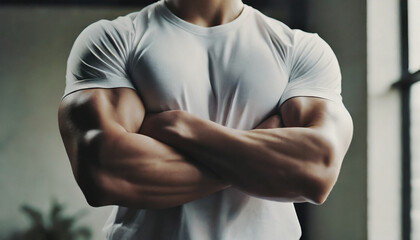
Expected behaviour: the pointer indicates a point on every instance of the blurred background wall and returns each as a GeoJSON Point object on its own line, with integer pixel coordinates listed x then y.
{"type": "Point", "coordinates": [35, 41]}
{"type": "Point", "coordinates": [343, 25]}
{"type": "Point", "coordinates": [34, 169]}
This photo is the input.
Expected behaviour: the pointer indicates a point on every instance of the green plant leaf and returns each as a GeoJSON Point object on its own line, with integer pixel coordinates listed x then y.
{"type": "Point", "coordinates": [34, 215]}
{"type": "Point", "coordinates": [57, 226]}
{"type": "Point", "coordinates": [55, 212]}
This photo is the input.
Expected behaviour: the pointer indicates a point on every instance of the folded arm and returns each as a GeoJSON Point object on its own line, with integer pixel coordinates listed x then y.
{"type": "Point", "coordinates": [299, 161]}
{"type": "Point", "coordinates": [115, 165]}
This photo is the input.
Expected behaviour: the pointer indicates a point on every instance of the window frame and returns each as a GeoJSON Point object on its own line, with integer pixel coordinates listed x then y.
{"type": "Point", "coordinates": [407, 80]}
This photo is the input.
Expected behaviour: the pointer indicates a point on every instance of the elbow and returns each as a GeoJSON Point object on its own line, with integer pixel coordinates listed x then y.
{"type": "Point", "coordinates": [95, 201]}
{"type": "Point", "coordinates": [319, 186]}
{"type": "Point", "coordinates": [94, 188]}
{"type": "Point", "coordinates": [321, 178]}
{"type": "Point", "coordinates": [91, 174]}
{"type": "Point", "coordinates": [318, 197]}
{"type": "Point", "coordinates": [93, 164]}
{"type": "Point", "coordinates": [323, 174]}
{"type": "Point", "coordinates": [96, 194]}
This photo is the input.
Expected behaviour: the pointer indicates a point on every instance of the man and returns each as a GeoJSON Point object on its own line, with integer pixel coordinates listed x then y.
{"type": "Point", "coordinates": [203, 119]}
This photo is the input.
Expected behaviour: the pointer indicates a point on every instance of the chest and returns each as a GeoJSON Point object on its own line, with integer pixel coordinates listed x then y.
{"type": "Point", "coordinates": [209, 78]}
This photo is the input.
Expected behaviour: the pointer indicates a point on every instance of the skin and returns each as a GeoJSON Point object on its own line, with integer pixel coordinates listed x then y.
{"type": "Point", "coordinates": [122, 156]}
{"type": "Point", "coordinates": [206, 13]}
{"type": "Point", "coordinates": [299, 161]}
{"type": "Point", "coordinates": [114, 165]}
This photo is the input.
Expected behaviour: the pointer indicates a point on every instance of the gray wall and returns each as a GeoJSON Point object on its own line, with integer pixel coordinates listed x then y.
{"type": "Point", "coordinates": [35, 43]}
{"type": "Point", "coordinates": [34, 169]}
{"type": "Point", "coordinates": [343, 25]}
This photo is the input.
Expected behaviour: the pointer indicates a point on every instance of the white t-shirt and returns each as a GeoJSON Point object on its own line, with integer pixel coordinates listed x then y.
{"type": "Point", "coordinates": [235, 74]}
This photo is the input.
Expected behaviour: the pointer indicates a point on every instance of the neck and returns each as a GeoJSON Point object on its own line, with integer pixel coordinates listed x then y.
{"type": "Point", "coordinates": [206, 13]}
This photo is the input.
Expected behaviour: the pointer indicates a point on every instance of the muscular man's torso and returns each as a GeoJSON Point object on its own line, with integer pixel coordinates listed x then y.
{"type": "Point", "coordinates": [235, 74]}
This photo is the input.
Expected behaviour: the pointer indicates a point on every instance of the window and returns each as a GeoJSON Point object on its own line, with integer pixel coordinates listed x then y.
{"type": "Point", "coordinates": [410, 96]}
{"type": "Point", "coordinates": [413, 67]}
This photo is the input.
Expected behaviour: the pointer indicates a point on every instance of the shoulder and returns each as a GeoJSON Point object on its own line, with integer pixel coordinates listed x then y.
{"type": "Point", "coordinates": [309, 50]}
{"type": "Point", "coordinates": [277, 30]}
{"type": "Point", "coordinates": [305, 41]}
{"type": "Point", "coordinates": [122, 28]}
{"type": "Point", "coordinates": [289, 43]}
{"type": "Point", "coordinates": [292, 38]}
{"type": "Point", "coordinates": [106, 32]}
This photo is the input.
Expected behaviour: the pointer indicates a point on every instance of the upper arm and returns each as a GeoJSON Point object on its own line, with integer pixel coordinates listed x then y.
{"type": "Point", "coordinates": [97, 95]}
{"type": "Point", "coordinates": [329, 130]}
{"type": "Point", "coordinates": [85, 114]}
{"type": "Point", "coordinates": [329, 120]}
{"type": "Point", "coordinates": [314, 69]}
{"type": "Point", "coordinates": [312, 97]}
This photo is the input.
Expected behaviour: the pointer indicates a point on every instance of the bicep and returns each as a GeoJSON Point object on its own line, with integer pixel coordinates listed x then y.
{"type": "Point", "coordinates": [83, 112]}
{"type": "Point", "coordinates": [329, 119]}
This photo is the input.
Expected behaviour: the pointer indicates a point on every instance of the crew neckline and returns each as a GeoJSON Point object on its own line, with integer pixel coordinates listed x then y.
{"type": "Point", "coordinates": [200, 30]}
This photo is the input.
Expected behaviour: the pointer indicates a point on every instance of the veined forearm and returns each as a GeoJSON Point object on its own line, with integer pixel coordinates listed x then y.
{"type": "Point", "coordinates": [137, 171]}
{"type": "Point", "coordinates": [114, 165]}
{"type": "Point", "coordinates": [282, 163]}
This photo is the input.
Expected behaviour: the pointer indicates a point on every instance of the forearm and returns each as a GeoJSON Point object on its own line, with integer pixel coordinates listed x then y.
{"type": "Point", "coordinates": [278, 163]}
{"type": "Point", "coordinates": [114, 165]}
{"type": "Point", "coordinates": [281, 163]}
{"type": "Point", "coordinates": [137, 171]}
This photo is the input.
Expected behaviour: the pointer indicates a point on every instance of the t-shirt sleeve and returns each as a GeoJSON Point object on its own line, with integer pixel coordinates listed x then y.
{"type": "Point", "coordinates": [314, 69]}
{"type": "Point", "coordinates": [99, 56]}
